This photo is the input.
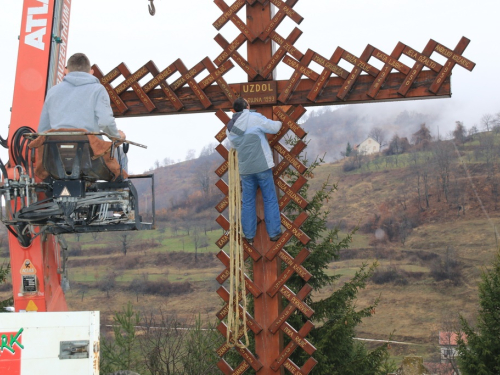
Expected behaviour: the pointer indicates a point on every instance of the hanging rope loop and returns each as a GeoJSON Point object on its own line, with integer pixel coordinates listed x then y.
{"type": "Point", "coordinates": [236, 319]}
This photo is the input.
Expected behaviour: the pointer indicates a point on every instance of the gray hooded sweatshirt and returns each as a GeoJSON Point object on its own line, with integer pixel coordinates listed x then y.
{"type": "Point", "coordinates": [247, 133]}
{"type": "Point", "coordinates": [79, 101]}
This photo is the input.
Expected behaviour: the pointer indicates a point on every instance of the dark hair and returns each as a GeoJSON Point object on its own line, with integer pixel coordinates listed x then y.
{"type": "Point", "coordinates": [78, 63]}
{"type": "Point", "coordinates": [240, 104]}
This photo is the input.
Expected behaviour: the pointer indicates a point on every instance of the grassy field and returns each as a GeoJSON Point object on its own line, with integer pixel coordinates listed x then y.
{"type": "Point", "coordinates": [413, 310]}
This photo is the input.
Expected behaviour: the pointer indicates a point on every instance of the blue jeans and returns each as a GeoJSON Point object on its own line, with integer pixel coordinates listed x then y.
{"type": "Point", "coordinates": [250, 183]}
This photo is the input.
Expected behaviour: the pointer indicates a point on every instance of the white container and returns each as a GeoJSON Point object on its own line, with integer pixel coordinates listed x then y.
{"type": "Point", "coordinates": [55, 343]}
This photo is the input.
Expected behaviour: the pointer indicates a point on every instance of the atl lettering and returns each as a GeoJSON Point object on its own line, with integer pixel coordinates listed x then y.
{"type": "Point", "coordinates": [36, 25]}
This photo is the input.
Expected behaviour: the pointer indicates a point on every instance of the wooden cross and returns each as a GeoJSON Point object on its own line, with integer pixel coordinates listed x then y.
{"type": "Point", "coordinates": [306, 87]}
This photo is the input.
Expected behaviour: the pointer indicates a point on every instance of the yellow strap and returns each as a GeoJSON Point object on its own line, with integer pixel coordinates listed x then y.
{"type": "Point", "coordinates": [237, 289]}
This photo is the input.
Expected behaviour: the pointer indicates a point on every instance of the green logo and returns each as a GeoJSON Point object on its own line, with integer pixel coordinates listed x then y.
{"type": "Point", "coordinates": [8, 344]}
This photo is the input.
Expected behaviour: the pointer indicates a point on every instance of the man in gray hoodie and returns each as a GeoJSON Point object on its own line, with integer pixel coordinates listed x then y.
{"type": "Point", "coordinates": [80, 102]}
{"type": "Point", "coordinates": [247, 133]}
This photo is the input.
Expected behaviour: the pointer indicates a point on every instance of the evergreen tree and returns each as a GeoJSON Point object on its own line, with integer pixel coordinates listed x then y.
{"type": "Point", "coordinates": [479, 352]}
{"type": "Point", "coordinates": [4, 272]}
{"type": "Point", "coordinates": [348, 149]}
{"type": "Point", "coordinates": [337, 316]}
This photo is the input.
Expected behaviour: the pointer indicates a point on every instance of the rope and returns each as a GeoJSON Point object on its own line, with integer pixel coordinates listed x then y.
{"type": "Point", "coordinates": [237, 260]}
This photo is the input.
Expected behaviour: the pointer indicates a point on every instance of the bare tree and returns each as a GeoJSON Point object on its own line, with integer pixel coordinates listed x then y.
{"type": "Point", "coordinates": [459, 134]}
{"type": "Point", "coordinates": [107, 283]}
{"type": "Point", "coordinates": [167, 348]}
{"type": "Point", "coordinates": [125, 241]}
{"type": "Point", "coordinates": [208, 149]}
{"type": "Point", "coordinates": [203, 174]}
{"type": "Point", "coordinates": [82, 289]}
{"type": "Point", "coordinates": [378, 134]}
{"type": "Point", "coordinates": [167, 161]}
{"type": "Point", "coordinates": [443, 156]}
{"type": "Point", "coordinates": [487, 121]}
{"type": "Point", "coordinates": [422, 137]}
{"type": "Point", "coordinates": [190, 154]}
{"type": "Point", "coordinates": [137, 285]}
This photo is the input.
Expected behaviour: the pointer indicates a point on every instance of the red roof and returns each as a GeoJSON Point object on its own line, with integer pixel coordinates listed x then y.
{"type": "Point", "coordinates": [449, 338]}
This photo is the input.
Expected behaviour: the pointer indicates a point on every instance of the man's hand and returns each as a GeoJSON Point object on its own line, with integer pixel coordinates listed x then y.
{"type": "Point", "coordinates": [122, 134]}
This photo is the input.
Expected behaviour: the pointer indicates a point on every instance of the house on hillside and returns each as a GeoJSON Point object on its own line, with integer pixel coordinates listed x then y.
{"type": "Point", "coordinates": [448, 345]}
{"type": "Point", "coordinates": [368, 146]}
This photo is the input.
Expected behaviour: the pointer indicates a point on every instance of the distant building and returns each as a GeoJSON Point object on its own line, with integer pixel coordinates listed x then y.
{"type": "Point", "coordinates": [448, 345]}
{"type": "Point", "coordinates": [368, 146]}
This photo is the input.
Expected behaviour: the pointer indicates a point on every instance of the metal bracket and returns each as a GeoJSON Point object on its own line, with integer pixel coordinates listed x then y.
{"type": "Point", "coordinates": [74, 349]}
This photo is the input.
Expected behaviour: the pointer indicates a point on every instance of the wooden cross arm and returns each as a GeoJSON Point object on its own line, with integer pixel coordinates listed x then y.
{"type": "Point", "coordinates": [328, 96]}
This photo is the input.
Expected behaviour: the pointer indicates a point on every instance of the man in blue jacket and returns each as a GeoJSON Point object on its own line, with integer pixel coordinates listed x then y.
{"type": "Point", "coordinates": [247, 133]}
{"type": "Point", "coordinates": [80, 102]}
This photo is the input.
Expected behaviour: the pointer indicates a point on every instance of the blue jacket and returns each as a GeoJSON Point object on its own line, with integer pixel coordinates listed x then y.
{"type": "Point", "coordinates": [247, 133]}
{"type": "Point", "coordinates": [79, 101]}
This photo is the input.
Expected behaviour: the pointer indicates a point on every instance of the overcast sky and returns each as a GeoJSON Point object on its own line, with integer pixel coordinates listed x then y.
{"type": "Point", "coordinates": [115, 31]}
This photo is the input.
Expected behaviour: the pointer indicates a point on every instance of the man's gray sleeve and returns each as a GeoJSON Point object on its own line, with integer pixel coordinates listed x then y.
{"type": "Point", "coordinates": [44, 123]}
{"type": "Point", "coordinates": [104, 114]}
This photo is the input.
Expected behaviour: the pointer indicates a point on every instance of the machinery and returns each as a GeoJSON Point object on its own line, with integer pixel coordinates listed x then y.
{"type": "Point", "coordinates": [76, 192]}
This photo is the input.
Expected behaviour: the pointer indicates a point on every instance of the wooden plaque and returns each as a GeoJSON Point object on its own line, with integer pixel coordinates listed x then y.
{"type": "Point", "coordinates": [259, 93]}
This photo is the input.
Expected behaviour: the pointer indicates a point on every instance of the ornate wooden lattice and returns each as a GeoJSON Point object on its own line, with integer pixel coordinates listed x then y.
{"type": "Point", "coordinates": [315, 80]}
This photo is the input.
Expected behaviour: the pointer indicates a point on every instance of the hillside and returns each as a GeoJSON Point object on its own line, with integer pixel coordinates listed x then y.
{"type": "Point", "coordinates": [427, 215]}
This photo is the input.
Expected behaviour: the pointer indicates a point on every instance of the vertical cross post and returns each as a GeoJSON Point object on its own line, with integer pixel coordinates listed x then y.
{"type": "Point", "coordinates": [267, 345]}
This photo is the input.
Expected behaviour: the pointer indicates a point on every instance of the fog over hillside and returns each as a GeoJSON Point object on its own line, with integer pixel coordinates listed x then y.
{"type": "Point", "coordinates": [329, 129]}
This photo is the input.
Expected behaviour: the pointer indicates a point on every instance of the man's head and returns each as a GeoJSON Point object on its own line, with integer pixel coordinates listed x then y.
{"type": "Point", "coordinates": [79, 63]}
{"type": "Point", "coordinates": [240, 104]}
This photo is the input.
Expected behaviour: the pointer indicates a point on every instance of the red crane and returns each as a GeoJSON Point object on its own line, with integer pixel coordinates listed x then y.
{"type": "Point", "coordinates": [36, 212]}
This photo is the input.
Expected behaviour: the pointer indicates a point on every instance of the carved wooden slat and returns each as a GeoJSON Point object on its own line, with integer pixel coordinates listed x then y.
{"type": "Point", "coordinates": [277, 19]}
{"type": "Point", "coordinates": [222, 221]}
{"type": "Point", "coordinates": [291, 121]}
{"type": "Point", "coordinates": [301, 68]}
{"type": "Point", "coordinates": [294, 229]}
{"type": "Point", "coordinates": [288, 156]}
{"type": "Point", "coordinates": [224, 348]}
{"type": "Point", "coordinates": [286, 46]}
{"type": "Point", "coordinates": [330, 66]}
{"type": "Point", "coordinates": [291, 193]}
{"type": "Point", "coordinates": [230, 14]}
{"type": "Point", "coordinates": [249, 284]}
{"type": "Point", "coordinates": [227, 370]}
{"type": "Point", "coordinates": [290, 348]}
{"type": "Point", "coordinates": [160, 78]}
{"type": "Point", "coordinates": [251, 323]}
{"type": "Point", "coordinates": [421, 60]}
{"type": "Point", "coordinates": [297, 302]}
{"type": "Point", "coordinates": [304, 370]}
{"type": "Point", "coordinates": [391, 62]}
{"type": "Point", "coordinates": [187, 76]}
{"type": "Point", "coordinates": [106, 82]}
{"type": "Point", "coordinates": [244, 352]}
{"type": "Point", "coordinates": [294, 266]}
{"type": "Point", "coordinates": [296, 186]}
{"type": "Point", "coordinates": [289, 309]}
{"type": "Point", "coordinates": [297, 338]}
{"type": "Point", "coordinates": [285, 237]}
{"type": "Point", "coordinates": [454, 57]}
{"type": "Point", "coordinates": [360, 64]}
{"type": "Point", "coordinates": [131, 80]}
{"type": "Point", "coordinates": [235, 55]}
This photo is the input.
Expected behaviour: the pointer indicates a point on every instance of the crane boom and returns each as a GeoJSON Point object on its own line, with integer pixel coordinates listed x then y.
{"type": "Point", "coordinates": [40, 64]}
